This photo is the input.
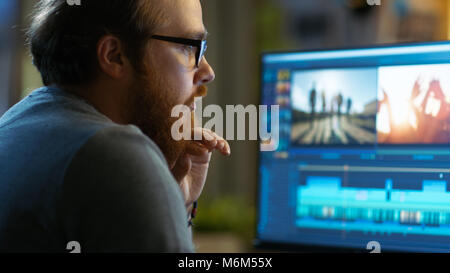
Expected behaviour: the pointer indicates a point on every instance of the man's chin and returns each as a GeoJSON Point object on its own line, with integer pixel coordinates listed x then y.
{"type": "Point", "coordinates": [151, 112]}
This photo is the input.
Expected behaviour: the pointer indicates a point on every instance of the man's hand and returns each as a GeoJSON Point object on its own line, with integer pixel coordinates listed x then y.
{"type": "Point", "coordinates": [191, 169]}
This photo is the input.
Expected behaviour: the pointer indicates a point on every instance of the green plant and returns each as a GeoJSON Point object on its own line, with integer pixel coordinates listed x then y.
{"type": "Point", "coordinates": [226, 214]}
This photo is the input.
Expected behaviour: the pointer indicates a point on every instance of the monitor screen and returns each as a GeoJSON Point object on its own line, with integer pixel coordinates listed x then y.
{"type": "Point", "coordinates": [364, 149]}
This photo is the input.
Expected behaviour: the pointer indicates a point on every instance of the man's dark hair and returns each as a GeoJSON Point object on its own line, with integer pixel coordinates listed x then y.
{"type": "Point", "coordinates": [63, 38]}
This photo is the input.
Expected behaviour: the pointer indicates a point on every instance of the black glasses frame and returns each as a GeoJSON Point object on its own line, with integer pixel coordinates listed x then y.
{"type": "Point", "coordinates": [201, 45]}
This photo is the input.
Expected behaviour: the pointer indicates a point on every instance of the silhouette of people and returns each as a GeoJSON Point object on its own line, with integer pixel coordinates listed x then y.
{"type": "Point", "coordinates": [332, 105]}
{"type": "Point", "coordinates": [339, 101]}
{"type": "Point", "coordinates": [312, 99]}
{"type": "Point", "coordinates": [324, 102]}
{"type": "Point", "coordinates": [349, 106]}
{"type": "Point", "coordinates": [312, 103]}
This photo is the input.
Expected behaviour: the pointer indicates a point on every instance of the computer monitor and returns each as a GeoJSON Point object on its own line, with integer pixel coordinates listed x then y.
{"type": "Point", "coordinates": [364, 149]}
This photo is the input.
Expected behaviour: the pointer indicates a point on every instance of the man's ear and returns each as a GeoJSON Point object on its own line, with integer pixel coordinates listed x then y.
{"type": "Point", "coordinates": [111, 56]}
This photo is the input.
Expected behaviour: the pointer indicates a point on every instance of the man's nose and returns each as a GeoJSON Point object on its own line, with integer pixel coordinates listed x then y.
{"type": "Point", "coordinates": [205, 73]}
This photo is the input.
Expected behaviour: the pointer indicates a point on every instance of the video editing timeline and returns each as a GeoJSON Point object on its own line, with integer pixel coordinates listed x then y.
{"type": "Point", "coordinates": [364, 148]}
{"type": "Point", "coordinates": [326, 202]}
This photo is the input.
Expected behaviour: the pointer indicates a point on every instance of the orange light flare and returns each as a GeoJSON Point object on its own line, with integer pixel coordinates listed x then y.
{"type": "Point", "coordinates": [402, 118]}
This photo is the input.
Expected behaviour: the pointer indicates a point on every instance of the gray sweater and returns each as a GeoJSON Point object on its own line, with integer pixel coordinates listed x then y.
{"type": "Point", "coordinates": [68, 173]}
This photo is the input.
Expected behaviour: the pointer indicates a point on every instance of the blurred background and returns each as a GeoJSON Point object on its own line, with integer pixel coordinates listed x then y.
{"type": "Point", "coordinates": [240, 30]}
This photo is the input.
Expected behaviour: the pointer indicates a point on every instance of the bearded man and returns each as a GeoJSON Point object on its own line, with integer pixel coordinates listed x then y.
{"type": "Point", "coordinates": [89, 158]}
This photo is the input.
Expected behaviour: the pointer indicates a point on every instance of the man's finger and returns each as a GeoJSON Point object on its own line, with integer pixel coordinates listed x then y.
{"type": "Point", "coordinates": [197, 149]}
{"type": "Point", "coordinates": [209, 140]}
{"type": "Point", "coordinates": [205, 134]}
{"type": "Point", "coordinates": [221, 145]}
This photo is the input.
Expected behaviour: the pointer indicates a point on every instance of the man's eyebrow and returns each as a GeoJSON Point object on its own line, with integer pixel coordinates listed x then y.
{"type": "Point", "coordinates": [199, 35]}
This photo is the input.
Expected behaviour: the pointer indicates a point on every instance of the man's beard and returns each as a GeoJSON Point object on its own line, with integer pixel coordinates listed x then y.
{"type": "Point", "coordinates": [150, 106]}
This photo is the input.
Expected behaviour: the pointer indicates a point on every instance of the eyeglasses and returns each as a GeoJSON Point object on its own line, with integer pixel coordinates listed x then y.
{"type": "Point", "coordinates": [200, 44]}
